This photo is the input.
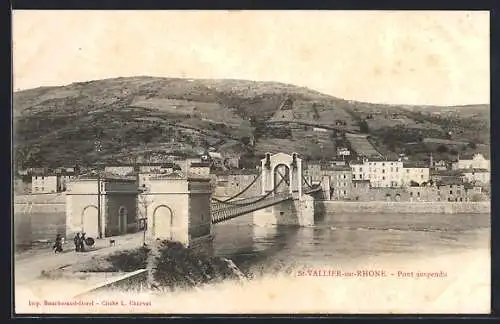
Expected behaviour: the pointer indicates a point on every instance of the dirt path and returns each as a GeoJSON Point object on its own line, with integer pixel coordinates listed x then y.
{"type": "Point", "coordinates": [29, 267]}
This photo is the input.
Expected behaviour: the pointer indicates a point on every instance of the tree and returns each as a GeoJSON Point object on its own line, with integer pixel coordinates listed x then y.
{"type": "Point", "coordinates": [363, 127]}
{"type": "Point", "coordinates": [442, 149]}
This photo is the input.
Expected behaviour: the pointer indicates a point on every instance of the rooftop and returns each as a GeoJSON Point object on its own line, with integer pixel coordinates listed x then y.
{"type": "Point", "coordinates": [200, 164]}
{"type": "Point", "coordinates": [335, 168]}
{"type": "Point", "coordinates": [237, 172]}
{"type": "Point", "coordinates": [474, 171]}
{"type": "Point", "coordinates": [415, 164]}
{"type": "Point", "coordinates": [450, 181]}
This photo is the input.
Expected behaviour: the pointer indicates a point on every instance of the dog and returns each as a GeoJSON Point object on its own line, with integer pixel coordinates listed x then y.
{"type": "Point", "coordinates": [112, 243]}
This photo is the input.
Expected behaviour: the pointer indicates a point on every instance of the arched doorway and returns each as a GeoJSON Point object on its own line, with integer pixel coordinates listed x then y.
{"type": "Point", "coordinates": [162, 223]}
{"type": "Point", "coordinates": [90, 221]}
{"type": "Point", "coordinates": [122, 220]}
{"type": "Point", "coordinates": [281, 178]}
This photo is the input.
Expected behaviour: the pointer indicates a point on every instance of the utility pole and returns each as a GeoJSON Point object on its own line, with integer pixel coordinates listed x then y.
{"type": "Point", "coordinates": [99, 221]}
{"type": "Point", "coordinates": [144, 202]}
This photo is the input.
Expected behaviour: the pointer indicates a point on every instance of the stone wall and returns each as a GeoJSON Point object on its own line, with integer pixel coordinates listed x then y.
{"type": "Point", "coordinates": [407, 207]}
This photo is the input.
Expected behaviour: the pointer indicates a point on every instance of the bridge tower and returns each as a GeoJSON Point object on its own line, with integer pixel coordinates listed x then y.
{"type": "Point", "coordinates": [282, 174]}
{"type": "Point", "coordinates": [178, 208]}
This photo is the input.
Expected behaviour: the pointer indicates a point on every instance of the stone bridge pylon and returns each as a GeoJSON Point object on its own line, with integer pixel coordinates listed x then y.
{"type": "Point", "coordinates": [282, 174]}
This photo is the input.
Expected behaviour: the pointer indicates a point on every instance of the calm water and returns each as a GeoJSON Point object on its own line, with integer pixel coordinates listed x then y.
{"type": "Point", "coordinates": [349, 237]}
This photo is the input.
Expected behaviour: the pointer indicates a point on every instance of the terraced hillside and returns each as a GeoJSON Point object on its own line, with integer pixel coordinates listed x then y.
{"type": "Point", "coordinates": [141, 117]}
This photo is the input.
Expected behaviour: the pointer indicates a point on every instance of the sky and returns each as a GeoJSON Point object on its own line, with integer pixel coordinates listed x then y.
{"type": "Point", "coordinates": [424, 58]}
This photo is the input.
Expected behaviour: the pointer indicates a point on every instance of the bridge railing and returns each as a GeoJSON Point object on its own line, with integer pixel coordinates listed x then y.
{"type": "Point", "coordinates": [235, 211]}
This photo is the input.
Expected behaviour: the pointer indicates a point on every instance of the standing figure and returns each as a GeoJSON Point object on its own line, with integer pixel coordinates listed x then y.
{"type": "Point", "coordinates": [58, 244]}
{"type": "Point", "coordinates": [76, 240]}
{"type": "Point", "coordinates": [82, 243]}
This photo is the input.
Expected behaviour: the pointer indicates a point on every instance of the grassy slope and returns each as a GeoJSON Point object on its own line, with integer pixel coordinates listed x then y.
{"type": "Point", "coordinates": [146, 116]}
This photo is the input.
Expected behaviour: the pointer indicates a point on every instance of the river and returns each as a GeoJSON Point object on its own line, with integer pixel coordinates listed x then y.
{"type": "Point", "coordinates": [349, 239]}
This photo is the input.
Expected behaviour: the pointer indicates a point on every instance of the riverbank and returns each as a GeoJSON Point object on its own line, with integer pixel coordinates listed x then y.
{"type": "Point", "coordinates": [345, 207]}
{"type": "Point", "coordinates": [461, 284]}
{"type": "Point", "coordinates": [172, 267]}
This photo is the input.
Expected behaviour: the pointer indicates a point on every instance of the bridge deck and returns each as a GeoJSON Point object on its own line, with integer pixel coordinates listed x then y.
{"type": "Point", "coordinates": [225, 211]}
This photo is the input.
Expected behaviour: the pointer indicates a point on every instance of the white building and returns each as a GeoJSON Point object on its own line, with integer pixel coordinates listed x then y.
{"type": "Point", "coordinates": [44, 183]}
{"type": "Point", "coordinates": [380, 173]}
{"type": "Point", "coordinates": [477, 162]}
{"type": "Point", "coordinates": [414, 172]}
{"type": "Point", "coordinates": [477, 176]}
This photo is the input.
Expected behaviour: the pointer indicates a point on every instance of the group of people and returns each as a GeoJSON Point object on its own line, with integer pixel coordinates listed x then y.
{"type": "Point", "coordinates": [79, 241]}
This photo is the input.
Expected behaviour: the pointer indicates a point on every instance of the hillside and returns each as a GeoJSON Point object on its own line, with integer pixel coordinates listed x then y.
{"type": "Point", "coordinates": [146, 117]}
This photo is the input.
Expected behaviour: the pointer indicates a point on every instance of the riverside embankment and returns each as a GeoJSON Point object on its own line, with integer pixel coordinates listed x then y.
{"type": "Point", "coordinates": [390, 207]}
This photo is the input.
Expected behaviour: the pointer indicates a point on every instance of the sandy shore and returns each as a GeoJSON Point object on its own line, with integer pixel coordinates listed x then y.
{"type": "Point", "coordinates": [464, 289]}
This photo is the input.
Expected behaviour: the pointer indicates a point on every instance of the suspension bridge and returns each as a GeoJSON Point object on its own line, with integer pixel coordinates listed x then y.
{"type": "Point", "coordinates": [280, 167]}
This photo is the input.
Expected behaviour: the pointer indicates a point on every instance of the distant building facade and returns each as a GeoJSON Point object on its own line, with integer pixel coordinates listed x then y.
{"type": "Point", "coordinates": [414, 173]}
{"type": "Point", "coordinates": [477, 176]}
{"type": "Point", "coordinates": [382, 174]}
{"type": "Point", "coordinates": [44, 183]}
{"type": "Point", "coordinates": [476, 162]}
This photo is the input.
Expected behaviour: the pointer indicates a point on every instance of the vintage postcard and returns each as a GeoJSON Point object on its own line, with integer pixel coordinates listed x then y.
{"type": "Point", "coordinates": [227, 162]}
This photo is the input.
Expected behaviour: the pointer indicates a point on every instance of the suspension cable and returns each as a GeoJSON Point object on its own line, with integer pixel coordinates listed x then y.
{"type": "Point", "coordinates": [241, 192]}
{"type": "Point", "coordinates": [260, 198]}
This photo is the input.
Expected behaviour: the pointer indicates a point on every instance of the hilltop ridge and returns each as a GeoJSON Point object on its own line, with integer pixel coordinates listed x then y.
{"type": "Point", "coordinates": [147, 116]}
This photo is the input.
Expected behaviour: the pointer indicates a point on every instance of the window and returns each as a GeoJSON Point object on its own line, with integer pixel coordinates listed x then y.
{"type": "Point", "coordinates": [345, 192]}
{"type": "Point", "coordinates": [383, 178]}
{"type": "Point", "coordinates": [422, 176]}
{"type": "Point", "coordinates": [360, 169]}
{"type": "Point", "coordinates": [383, 164]}
{"type": "Point", "coordinates": [411, 193]}
{"type": "Point", "coordinates": [451, 192]}
{"type": "Point", "coordinates": [418, 194]}
{"type": "Point", "coordinates": [397, 169]}
{"type": "Point", "coordinates": [383, 170]}
{"type": "Point", "coordinates": [392, 163]}
{"type": "Point", "coordinates": [344, 176]}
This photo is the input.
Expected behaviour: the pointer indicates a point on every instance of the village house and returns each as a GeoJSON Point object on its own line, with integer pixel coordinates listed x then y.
{"type": "Point", "coordinates": [44, 183]}
{"type": "Point", "coordinates": [312, 170]}
{"type": "Point", "coordinates": [475, 162]}
{"type": "Point", "coordinates": [452, 190]}
{"type": "Point", "coordinates": [414, 172]}
{"type": "Point", "coordinates": [232, 161]}
{"type": "Point", "coordinates": [199, 169]}
{"type": "Point", "coordinates": [477, 176]}
{"type": "Point", "coordinates": [381, 173]}
{"type": "Point", "coordinates": [340, 180]}
{"type": "Point", "coordinates": [446, 175]}
{"type": "Point", "coordinates": [231, 182]}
